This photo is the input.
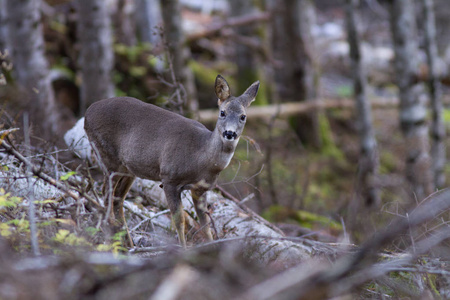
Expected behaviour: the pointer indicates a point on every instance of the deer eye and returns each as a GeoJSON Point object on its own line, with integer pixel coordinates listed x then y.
{"type": "Point", "coordinates": [243, 117]}
{"type": "Point", "coordinates": [222, 113]}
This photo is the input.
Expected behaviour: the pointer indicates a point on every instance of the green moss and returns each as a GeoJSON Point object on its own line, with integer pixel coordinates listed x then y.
{"type": "Point", "coordinates": [388, 162]}
{"type": "Point", "coordinates": [278, 213]}
{"type": "Point", "coordinates": [329, 148]}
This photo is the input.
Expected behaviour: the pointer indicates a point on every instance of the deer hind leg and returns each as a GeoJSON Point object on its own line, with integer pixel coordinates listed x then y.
{"type": "Point", "coordinates": [200, 209]}
{"type": "Point", "coordinates": [173, 197]}
{"type": "Point", "coordinates": [121, 188]}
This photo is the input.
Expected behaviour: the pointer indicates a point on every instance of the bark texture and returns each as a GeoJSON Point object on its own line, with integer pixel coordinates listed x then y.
{"type": "Point", "coordinates": [412, 98]}
{"type": "Point", "coordinates": [179, 53]}
{"type": "Point", "coordinates": [292, 47]}
{"type": "Point", "coordinates": [24, 38]}
{"type": "Point", "coordinates": [368, 161]}
{"type": "Point", "coordinates": [148, 18]}
{"type": "Point", "coordinates": [96, 58]}
{"type": "Point", "coordinates": [231, 221]}
{"type": "Point", "coordinates": [435, 91]}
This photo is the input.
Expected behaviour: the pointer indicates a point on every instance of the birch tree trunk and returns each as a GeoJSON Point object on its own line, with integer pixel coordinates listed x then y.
{"type": "Point", "coordinates": [435, 91]}
{"type": "Point", "coordinates": [148, 17]}
{"type": "Point", "coordinates": [292, 47]}
{"type": "Point", "coordinates": [96, 58]}
{"type": "Point", "coordinates": [368, 161]}
{"type": "Point", "coordinates": [179, 53]}
{"type": "Point", "coordinates": [244, 55]}
{"type": "Point", "coordinates": [24, 39]}
{"type": "Point", "coordinates": [412, 98]}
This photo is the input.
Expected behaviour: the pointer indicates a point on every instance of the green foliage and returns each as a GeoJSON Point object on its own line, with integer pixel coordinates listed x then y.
{"type": "Point", "coordinates": [66, 237]}
{"type": "Point", "coordinates": [116, 246]}
{"type": "Point", "coordinates": [5, 230]}
{"type": "Point", "coordinates": [66, 176]}
{"type": "Point", "coordinates": [20, 225]}
{"type": "Point", "coordinates": [8, 201]}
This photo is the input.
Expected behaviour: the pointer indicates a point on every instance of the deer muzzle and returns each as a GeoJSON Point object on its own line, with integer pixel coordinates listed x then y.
{"type": "Point", "coordinates": [229, 135]}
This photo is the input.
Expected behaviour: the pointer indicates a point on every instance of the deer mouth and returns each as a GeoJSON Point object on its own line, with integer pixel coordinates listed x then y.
{"type": "Point", "coordinates": [229, 135]}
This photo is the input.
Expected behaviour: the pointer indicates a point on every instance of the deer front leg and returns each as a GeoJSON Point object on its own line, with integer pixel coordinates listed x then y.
{"type": "Point", "coordinates": [121, 188]}
{"type": "Point", "coordinates": [200, 209]}
{"type": "Point", "coordinates": [173, 197]}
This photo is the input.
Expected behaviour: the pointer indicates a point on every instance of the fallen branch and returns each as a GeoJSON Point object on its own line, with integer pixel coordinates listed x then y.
{"type": "Point", "coordinates": [230, 22]}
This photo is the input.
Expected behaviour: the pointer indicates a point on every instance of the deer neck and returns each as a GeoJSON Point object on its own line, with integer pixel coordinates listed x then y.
{"type": "Point", "coordinates": [221, 151]}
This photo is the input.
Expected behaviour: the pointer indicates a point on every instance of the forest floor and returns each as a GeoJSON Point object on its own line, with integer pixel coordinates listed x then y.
{"type": "Point", "coordinates": [309, 194]}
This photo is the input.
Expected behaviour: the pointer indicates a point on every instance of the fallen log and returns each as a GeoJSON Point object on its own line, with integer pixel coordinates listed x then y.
{"type": "Point", "coordinates": [283, 110]}
{"type": "Point", "coordinates": [265, 243]}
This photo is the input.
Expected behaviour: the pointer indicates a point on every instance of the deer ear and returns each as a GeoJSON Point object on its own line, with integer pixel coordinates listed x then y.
{"type": "Point", "coordinates": [222, 89]}
{"type": "Point", "coordinates": [250, 94]}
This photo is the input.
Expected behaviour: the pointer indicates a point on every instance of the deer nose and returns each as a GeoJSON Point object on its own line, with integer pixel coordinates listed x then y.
{"type": "Point", "coordinates": [230, 135]}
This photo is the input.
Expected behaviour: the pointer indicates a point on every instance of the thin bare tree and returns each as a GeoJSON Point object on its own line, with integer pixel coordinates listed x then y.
{"type": "Point", "coordinates": [179, 53]}
{"type": "Point", "coordinates": [435, 91]}
{"type": "Point", "coordinates": [368, 161]}
{"type": "Point", "coordinates": [24, 40]}
{"type": "Point", "coordinates": [96, 58]}
{"type": "Point", "coordinates": [413, 109]}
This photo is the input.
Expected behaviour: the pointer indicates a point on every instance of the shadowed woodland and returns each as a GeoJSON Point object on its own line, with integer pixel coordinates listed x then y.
{"type": "Point", "coordinates": [337, 188]}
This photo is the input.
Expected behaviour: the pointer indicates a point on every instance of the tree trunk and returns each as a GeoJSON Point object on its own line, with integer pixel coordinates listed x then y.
{"type": "Point", "coordinates": [179, 54]}
{"type": "Point", "coordinates": [244, 55]}
{"type": "Point", "coordinates": [148, 18]}
{"type": "Point", "coordinates": [124, 23]}
{"type": "Point", "coordinates": [96, 58]}
{"type": "Point", "coordinates": [2, 30]}
{"type": "Point", "coordinates": [24, 38]}
{"type": "Point", "coordinates": [412, 99]}
{"type": "Point", "coordinates": [292, 47]}
{"type": "Point", "coordinates": [435, 90]}
{"type": "Point", "coordinates": [368, 161]}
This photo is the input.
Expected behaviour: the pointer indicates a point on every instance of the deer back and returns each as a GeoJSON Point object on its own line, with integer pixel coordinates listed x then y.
{"type": "Point", "coordinates": [143, 139]}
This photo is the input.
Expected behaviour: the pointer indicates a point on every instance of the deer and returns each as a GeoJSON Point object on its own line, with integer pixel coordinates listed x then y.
{"type": "Point", "coordinates": [136, 139]}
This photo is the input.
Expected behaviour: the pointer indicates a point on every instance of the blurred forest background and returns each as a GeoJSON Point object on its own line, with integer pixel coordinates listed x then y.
{"type": "Point", "coordinates": [348, 129]}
